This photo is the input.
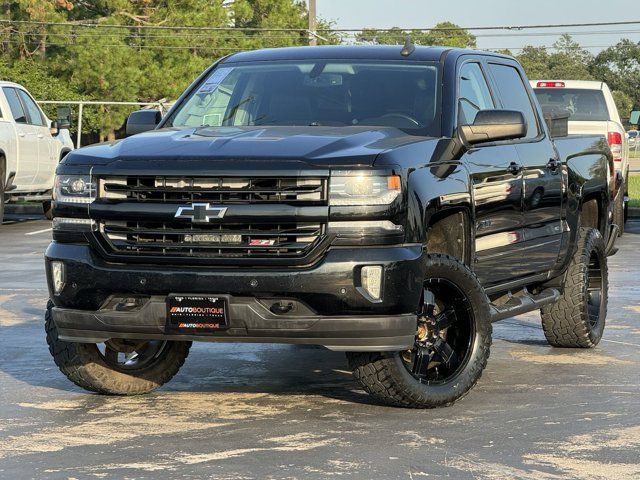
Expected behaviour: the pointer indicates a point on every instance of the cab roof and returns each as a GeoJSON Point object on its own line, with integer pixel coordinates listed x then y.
{"type": "Point", "coordinates": [360, 52]}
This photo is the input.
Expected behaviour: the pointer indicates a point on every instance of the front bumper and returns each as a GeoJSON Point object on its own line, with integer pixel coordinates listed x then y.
{"type": "Point", "coordinates": [330, 307]}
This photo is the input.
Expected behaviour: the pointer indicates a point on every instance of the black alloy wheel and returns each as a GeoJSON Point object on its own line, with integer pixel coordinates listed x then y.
{"type": "Point", "coordinates": [445, 334]}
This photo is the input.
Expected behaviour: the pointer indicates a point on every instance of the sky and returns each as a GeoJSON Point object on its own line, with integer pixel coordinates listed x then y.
{"type": "Point", "coordinates": [469, 13]}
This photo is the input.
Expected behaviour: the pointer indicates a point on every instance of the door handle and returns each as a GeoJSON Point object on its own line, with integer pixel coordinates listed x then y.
{"type": "Point", "coordinates": [514, 168]}
{"type": "Point", "coordinates": [553, 164]}
{"type": "Point", "coordinates": [40, 135]}
{"type": "Point", "coordinates": [21, 134]}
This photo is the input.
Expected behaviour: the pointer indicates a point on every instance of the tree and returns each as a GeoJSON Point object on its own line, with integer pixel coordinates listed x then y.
{"type": "Point", "coordinates": [568, 61]}
{"type": "Point", "coordinates": [443, 34]}
{"type": "Point", "coordinates": [624, 103]}
{"type": "Point", "coordinates": [619, 67]}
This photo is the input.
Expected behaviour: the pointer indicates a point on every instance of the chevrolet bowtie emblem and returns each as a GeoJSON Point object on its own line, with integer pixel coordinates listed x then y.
{"type": "Point", "coordinates": [200, 212]}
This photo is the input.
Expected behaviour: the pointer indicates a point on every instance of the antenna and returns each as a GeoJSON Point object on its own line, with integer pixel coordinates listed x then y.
{"type": "Point", "coordinates": [408, 48]}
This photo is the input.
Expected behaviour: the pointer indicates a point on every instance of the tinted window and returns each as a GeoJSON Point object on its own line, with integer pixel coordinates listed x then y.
{"type": "Point", "coordinates": [582, 105]}
{"type": "Point", "coordinates": [513, 95]}
{"type": "Point", "coordinates": [35, 117]}
{"type": "Point", "coordinates": [474, 94]}
{"type": "Point", "coordinates": [14, 104]}
{"type": "Point", "coordinates": [316, 93]}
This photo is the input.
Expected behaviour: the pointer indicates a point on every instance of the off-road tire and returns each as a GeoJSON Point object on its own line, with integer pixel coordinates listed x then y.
{"type": "Point", "coordinates": [618, 212]}
{"type": "Point", "coordinates": [566, 322]}
{"type": "Point", "coordinates": [384, 376]}
{"type": "Point", "coordinates": [83, 364]}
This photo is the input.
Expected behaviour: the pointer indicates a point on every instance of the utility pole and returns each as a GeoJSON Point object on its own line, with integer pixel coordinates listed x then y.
{"type": "Point", "coordinates": [313, 40]}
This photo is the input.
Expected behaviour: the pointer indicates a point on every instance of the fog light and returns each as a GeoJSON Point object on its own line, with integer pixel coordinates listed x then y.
{"type": "Point", "coordinates": [371, 279]}
{"type": "Point", "coordinates": [57, 272]}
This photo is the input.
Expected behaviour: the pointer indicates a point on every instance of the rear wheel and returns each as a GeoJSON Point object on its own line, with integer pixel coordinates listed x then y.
{"type": "Point", "coordinates": [451, 348]}
{"type": "Point", "coordinates": [578, 318]}
{"type": "Point", "coordinates": [118, 366]}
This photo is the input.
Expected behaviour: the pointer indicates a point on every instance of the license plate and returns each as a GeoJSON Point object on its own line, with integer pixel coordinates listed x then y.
{"type": "Point", "coordinates": [196, 314]}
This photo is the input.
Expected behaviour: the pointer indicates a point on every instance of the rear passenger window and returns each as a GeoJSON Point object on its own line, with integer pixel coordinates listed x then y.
{"type": "Point", "coordinates": [474, 94]}
{"type": "Point", "coordinates": [14, 104]}
{"type": "Point", "coordinates": [513, 95]}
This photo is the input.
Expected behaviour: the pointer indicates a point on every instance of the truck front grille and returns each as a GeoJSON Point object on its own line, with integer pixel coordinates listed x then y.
{"type": "Point", "coordinates": [211, 241]}
{"type": "Point", "coordinates": [263, 231]}
{"type": "Point", "coordinates": [224, 190]}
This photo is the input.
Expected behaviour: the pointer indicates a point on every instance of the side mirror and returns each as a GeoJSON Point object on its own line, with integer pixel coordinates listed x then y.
{"type": "Point", "coordinates": [63, 122]}
{"type": "Point", "coordinates": [54, 128]}
{"type": "Point", "coordinates": [142, 121]}
{"type": "Point", "coordinates": [492, 126]}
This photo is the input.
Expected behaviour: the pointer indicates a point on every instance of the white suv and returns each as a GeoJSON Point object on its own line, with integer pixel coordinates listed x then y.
{"type": "Point", "coordinates": [31, 146]}
{"type": "Point", "coordinates": [592, 110]}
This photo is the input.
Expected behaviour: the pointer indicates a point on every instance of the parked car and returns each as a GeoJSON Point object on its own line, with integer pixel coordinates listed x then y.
{"type": "Point", "coordinates": [31, 146]}
{"type": "Point", "coordinates": [592, 109]}
{"type": "Point", "coordinates": [384, 202]}
{"type": "Point", "coordinates": [632, 135]}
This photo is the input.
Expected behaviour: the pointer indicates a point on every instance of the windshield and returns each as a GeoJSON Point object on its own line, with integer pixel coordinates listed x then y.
{"type": "Point", "coordinates": [321, 93]}
{"type": "Point", "coordinates": [582, 105]}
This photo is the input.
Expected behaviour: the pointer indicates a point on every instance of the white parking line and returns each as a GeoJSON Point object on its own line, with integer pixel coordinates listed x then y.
{"type": "Point", "coordinates": [39, 231]}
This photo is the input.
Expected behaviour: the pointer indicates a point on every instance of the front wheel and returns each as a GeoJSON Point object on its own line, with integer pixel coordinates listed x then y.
{"type": "Point", "coordinates": [451, 349]}
{"type": "Point", "coordinates": [118, 366]}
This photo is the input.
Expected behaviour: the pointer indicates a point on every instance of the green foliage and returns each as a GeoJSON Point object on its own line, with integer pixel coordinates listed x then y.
{"type": "Point", "coordinates": [624, 103]}
{"type": "Point", "coordinates": [567, 61]}
{"type": "Point", "coordinates": [136, 64]}
{"type": "Point", "coordinates": [452, 36]}
{"type": "Point", "coordinates": [619, 66]}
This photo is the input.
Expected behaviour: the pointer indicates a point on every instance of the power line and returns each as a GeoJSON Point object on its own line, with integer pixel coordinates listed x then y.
{"type": "Point", "coordinates": [499, 27]}
{"type": "Point", "coordinates": [289, 29]}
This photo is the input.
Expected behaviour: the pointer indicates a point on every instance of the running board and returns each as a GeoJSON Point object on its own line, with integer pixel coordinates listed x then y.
{"type": "Point", "coordinates": [523, 303]}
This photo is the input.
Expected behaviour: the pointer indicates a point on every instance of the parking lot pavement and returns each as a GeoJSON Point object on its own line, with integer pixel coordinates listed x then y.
{"type": "Point", "coordinates": [270, 411]}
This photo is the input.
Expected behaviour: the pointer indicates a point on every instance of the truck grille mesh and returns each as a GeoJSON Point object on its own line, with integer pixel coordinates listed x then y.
{"type": "Point", "coordinates": [216, 190]}
{"type": "Point", "coordinates": [222, 238]}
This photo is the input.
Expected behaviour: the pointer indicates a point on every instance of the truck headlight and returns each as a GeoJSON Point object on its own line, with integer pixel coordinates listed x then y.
{"type": "Point", "coordinates": [363, 189]}
{"type": "Point", "coordinates": [74, 189]}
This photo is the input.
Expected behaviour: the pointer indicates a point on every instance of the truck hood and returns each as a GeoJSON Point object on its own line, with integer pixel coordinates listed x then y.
{"type": "Point", "coordinates": [307, 146]}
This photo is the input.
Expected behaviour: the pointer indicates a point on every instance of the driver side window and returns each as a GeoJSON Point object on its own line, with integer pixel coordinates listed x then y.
{"type": "Point", "coordinates": [473, 93]}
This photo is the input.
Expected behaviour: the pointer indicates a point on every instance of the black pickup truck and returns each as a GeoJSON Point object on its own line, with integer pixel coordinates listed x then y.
{"type": "Point", "coordinates": [386, 202]}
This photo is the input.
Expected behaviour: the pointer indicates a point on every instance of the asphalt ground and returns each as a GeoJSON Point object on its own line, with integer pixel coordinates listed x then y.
{"type": "Point", "coordinates": [272, 411]}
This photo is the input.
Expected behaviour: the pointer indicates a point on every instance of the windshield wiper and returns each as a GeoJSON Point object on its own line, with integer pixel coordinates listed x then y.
{"type": "Point", "coordinates": [235, 108]}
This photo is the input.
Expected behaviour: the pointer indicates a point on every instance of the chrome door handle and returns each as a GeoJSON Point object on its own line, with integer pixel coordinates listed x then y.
{"type": "Point", "coordinates": [21, 134]}
{"type": "Point", "coordinates": [514, 168]}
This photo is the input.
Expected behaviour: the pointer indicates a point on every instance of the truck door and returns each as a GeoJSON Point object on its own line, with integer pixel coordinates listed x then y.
{"type": "Point", "coordinates": [542, 173]}
{"type": "Point", "coordinates": [46, 162]}
{"type": "Point", "coordinates": [497, 186]}
{"type": "Point", "coordinates": [27, 141]}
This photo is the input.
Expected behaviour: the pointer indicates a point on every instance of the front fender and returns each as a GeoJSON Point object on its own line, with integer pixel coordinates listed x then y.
{"type": "Point", "coordinates": [433, 191]}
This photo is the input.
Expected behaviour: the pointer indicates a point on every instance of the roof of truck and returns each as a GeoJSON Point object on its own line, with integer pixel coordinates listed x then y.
{"type": "Point", "coordinates": [363, 52]}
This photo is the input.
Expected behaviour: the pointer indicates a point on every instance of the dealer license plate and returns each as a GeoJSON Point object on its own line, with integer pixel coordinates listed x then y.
{"type": "Point", "coordinates": [195, 314]}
